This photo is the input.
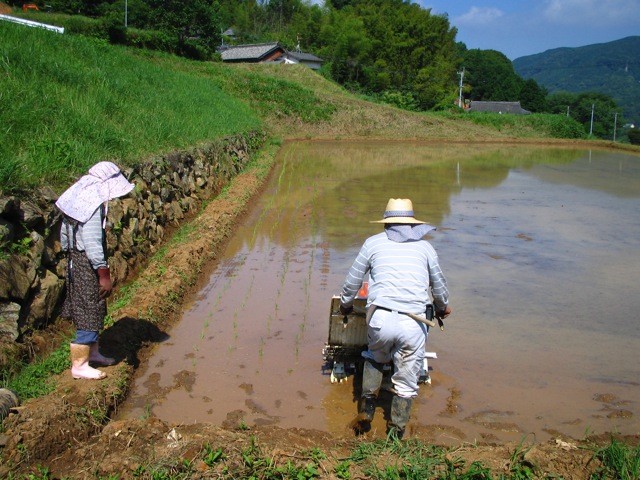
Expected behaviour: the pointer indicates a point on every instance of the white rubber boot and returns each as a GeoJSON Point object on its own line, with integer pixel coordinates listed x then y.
{"type": "Point", "coordinates": [80, 363]}
{"type": "Point", "coordinates": [96, 357]}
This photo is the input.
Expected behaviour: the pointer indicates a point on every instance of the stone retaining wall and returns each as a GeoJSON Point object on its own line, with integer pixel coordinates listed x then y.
{"type": "Point", "coordinates": [32, 266]}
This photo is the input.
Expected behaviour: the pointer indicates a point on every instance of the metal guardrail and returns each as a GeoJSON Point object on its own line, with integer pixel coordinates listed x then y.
{"type": "Point", "coordinates": [31, 23]}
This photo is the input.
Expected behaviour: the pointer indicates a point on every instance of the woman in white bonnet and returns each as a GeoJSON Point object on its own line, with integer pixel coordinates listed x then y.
{"type": "Point", "coordinates": [84, 206]}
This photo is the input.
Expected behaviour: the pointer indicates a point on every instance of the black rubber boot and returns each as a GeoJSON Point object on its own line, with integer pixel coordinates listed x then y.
{"type": "Point", "coordinates": [400, 411]}
{"type": "Point", "coordinates": [367, 408]}
{"type": "Point", "coordinates": [366, 411]}
{"type": "Point", "coordinates": [371, 380]}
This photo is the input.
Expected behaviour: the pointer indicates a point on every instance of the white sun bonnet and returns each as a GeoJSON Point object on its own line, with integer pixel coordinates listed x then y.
{"type": "Point", "coordinates": [103, 182]}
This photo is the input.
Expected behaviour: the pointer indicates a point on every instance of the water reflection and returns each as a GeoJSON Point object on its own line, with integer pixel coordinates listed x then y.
{"type": "Point", "coordinates": [540, 247]}
{"type": "Point", "coordinates": [349, 182]}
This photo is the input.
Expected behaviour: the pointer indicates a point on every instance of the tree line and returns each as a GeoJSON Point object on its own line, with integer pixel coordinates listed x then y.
{"type": "Point", "coordinates": [490, 76]}
{"type": "Point", "coordinates": [390, 50]}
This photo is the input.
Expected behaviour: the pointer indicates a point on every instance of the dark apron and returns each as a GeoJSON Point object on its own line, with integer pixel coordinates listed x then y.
{"type": "Point", "coordinates": [82, 303]}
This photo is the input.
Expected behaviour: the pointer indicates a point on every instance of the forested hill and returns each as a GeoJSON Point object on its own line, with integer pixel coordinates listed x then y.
{"type": "Point", "coordinates": [612, 68]}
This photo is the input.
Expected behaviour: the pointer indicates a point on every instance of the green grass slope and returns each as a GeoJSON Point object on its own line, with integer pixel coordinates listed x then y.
{"type": "Point", "coordinates": [612, 68]}
{"type": "Point", "coordinates": [68, 102]}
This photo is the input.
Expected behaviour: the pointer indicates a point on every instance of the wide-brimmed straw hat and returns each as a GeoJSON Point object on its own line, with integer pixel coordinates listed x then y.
{"type": "Point", "coordinates": [399, 210]}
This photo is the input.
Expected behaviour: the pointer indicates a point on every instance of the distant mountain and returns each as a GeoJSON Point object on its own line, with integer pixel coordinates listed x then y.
{"type": "Point", "coordinates": [612, 68]}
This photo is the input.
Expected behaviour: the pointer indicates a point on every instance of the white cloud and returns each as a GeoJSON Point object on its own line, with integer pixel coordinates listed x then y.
{"type": "Point", "coordinates": [479, 16]}
{"type": "Point", "coordinates": [592, 13]}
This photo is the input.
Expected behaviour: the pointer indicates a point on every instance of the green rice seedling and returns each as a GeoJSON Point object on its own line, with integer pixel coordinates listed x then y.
{"type": "Point", "coordinates": [270, 320]}
{"type": "Point", "coordinates": [476, 471]}
{"type": "Point", "coordinates": [297, 345]}
{"type": "Point", "coordinates": [235, 326]}
{"type": "Point", "coordinates": [147, 411]}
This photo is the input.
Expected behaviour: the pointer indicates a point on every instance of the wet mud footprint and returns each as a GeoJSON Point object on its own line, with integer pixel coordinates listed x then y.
{"type": "Point", "coordinates": [184, 379]}
{"type": "Point", "coordinates": [494, 420]}
{"type": "Point", "coordinates": [612, 406]}
{"type": "Point", "coordinates": [247, 387]}
{"type": "Point", "coordinates": [453, 407]}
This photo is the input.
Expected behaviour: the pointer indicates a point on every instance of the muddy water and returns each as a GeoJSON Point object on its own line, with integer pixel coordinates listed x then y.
{"type": "Point", "coordinates": [541, 248]}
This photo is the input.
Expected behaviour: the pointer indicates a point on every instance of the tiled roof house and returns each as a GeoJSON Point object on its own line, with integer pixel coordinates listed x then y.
{"type": "Point", "coordinates": [267, 52]}
{"type": "Point", "coordinates": [307, 59]}
{"type": "Point", "coordinates": [497, 107]}
{"type": "Point", "coordinates": [255, 53]}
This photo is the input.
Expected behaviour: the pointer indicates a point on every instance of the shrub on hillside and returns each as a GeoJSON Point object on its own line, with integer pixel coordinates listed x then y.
{"type": "Point", "coordinates": [89, 27]}
{"type": "Point", "coordinates": [560, 126]}
{"type": "Point", "coordinates": [634, 136]}
{"type": "Point", "coordinates": [151, 39]}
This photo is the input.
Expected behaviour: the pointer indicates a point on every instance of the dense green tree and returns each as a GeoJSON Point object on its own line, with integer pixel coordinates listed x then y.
{"type": "Point", "coordinates": [347, 48]}
{"type": "Point", "coordinates": [580, 107]}
{"type": "Point", "coordinates": [304, 28]}
{"type": "Point", "coordinates": [90, 8]}
{"type": "Point", "coordinates": [385, 46]}
{"type": "Point", "coordinates": [561, 102]}
{"type": "Point", "coordinates": [338, 4]}
{"type": "Point", "coordinates": [280, 12]}
{"type": "Point", "coordinates": [138, 13]}
{"type": "Point", "coordinates": [603, 108]}
{"type": "Point", "coordinates": [195, 24]}
{"type": "Point", "coordinates": [247, 18]}
{"type": "Point", "coordinates": [433, 86]}
{"type": "Point", "coordinates": [533, 97]}
{"type": "Point", "coordinates": [491, 76]}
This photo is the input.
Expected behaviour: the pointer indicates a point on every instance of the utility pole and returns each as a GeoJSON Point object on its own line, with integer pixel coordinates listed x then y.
{"type": "Point", "coordinates": [126, 8]}
{"type": "Point", "coordinates": [567, 110]}
{"type": "Point", "coordinates": [615, 125]}
{"type": "Point", "coordinates": [593, 106]}
{"type": "Point", "coordinates": [460, 94]}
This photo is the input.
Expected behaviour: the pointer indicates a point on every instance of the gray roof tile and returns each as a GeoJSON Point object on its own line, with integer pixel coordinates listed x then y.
{"type": "Point", "coordinates": [248, 52]}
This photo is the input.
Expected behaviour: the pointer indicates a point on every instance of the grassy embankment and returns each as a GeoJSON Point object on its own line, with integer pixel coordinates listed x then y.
{"type": "Point", "coordinates": [67, 102]}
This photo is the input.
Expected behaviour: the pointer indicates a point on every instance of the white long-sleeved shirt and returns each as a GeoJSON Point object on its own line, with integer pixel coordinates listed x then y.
{"type": "Point", "coordinates": [401, 275]}
{"type": "Point", "coordinates": [88, 238]}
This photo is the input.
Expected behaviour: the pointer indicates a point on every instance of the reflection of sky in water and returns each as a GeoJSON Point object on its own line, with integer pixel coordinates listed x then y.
{"type": "Point", "coordinates": [571, 250]}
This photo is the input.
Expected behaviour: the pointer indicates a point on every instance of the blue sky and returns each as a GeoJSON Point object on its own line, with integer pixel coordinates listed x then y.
{"type": "Point", "coordinates": [526, 27]}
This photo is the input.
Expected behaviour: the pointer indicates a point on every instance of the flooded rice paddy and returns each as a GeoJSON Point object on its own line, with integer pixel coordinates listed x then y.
{"type": "Point", "coordinates": [541, 249]}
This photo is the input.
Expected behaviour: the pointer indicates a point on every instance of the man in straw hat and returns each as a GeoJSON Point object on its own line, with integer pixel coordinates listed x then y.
{"type": "Point", "coordinates": [84, 206]}
{"type": "Point", "coordinates": [403, 271]}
